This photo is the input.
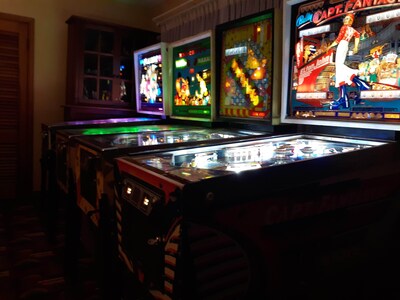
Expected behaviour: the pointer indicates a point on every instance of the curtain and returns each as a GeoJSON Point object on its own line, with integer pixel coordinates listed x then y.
{"type": "Point", "coordinates": [197, 16]}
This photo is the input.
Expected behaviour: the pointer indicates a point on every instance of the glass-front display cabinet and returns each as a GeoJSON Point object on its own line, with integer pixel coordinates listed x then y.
{"type": "Point", "coordinates": [100, 68]}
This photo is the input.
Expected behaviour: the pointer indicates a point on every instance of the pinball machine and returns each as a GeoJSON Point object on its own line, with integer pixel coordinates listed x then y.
{"type": "Point", "coordinates": [58, 152]}
{"type": "Point", "coordinates": [241, 220]}
{"type": "Point", "coordinates": [92, 156]}
{"type": "Point", "coordinates": [87, 177]}
{"type": "Point", "coordinates": [49, 157]}
{"type": "Point", "coordinates": [63, 137]}
{"type": "Point", "coordinates": [151, 55]}
{"type": "Point", "coordinates": [65, 149]}
{"type": "Point", "coordinates": [192, 122]}
{"type": "Point", "coordinates": [66, 145]}
{"type": "Point", "coordinates": [304, 214]}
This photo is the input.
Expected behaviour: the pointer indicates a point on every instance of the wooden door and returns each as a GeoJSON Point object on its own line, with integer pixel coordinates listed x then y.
{"type": "Point", "coordinates": [16, 112]}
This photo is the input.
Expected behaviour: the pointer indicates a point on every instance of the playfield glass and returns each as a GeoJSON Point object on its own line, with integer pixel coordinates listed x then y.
{"type": "Point", "coordinates": [206, 162]}
{"type": "Point", "coordinates": [113, 142]}
{"type": "Point", "coordinates": [345, 61]}
{"type": "Point", "coordinates": [149, 79]}
{"type": "Point", "coordinates": [245, 64]}
{"type": "Point", "coordinates": [191, 78]}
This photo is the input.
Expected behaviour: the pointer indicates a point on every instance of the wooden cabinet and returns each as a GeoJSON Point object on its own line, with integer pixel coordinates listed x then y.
{"type": "Point", "coordinates": [100, 68]}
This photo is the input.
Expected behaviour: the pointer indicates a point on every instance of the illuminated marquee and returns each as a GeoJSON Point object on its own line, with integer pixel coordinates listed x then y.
{"type": "Point", "coordinates": [150, 60]}
{"type": "Point", "coordinates": [181, 63]}
{"type": "Point", "coordinates": [236, 51]}
{"type": "Point", "coordinates": [320, 16]}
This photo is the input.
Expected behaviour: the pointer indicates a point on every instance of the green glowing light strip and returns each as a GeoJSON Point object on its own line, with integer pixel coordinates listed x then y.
{"type": "Point", "coordinates": [129, 129]}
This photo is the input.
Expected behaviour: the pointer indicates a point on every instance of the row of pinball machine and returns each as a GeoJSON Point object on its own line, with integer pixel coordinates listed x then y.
{"type": "Point", "coordinates": [282, 188]}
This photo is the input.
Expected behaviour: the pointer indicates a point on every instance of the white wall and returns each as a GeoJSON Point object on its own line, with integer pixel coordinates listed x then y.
{"type": "Point", "coordinates": [50, 53]}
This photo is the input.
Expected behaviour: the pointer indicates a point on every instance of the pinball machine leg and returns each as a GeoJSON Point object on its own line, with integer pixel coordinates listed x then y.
{"type": "Point", "coordinates": [72, 235]}
{"type": "Point", "coordinates": [108, 249]}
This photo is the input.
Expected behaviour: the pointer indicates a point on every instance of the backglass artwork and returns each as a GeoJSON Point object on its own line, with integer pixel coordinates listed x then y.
{"type": "Point", "coordinates": [246, 64]}
{"type": "Point", "coordinates": [345, 61]}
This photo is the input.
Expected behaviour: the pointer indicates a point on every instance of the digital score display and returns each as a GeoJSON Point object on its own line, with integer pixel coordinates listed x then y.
{"type": "Point", "coordinates": [149, 79]}
{"type": "Point", "coordinates": [192, 78]}
{"type": "Point", "coordinates": [345, 61]}
{"type": "Point", "coordinates": [245, 58]}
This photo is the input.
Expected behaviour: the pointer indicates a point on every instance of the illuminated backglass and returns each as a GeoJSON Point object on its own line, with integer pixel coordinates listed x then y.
{"type": "Point", "coordinates": [344, 62]}
{"type": "Point", "coordinates": [192, 82]}
{"type": "Point", "coordinates": [149, 78]}
{"type": "Point", "coordinates": [245, 64]}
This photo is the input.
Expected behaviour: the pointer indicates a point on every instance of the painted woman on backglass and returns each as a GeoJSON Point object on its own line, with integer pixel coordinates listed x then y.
{"type": "Point", "coordinates": [345, 75]}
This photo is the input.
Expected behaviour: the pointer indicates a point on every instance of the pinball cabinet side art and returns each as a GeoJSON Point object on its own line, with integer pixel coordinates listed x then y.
{"type": "Point", "coordinates": [344, 60]}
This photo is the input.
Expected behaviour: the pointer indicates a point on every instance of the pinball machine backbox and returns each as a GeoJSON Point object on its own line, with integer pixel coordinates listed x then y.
{"type": "Point", "coordinates": [343, 63]}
